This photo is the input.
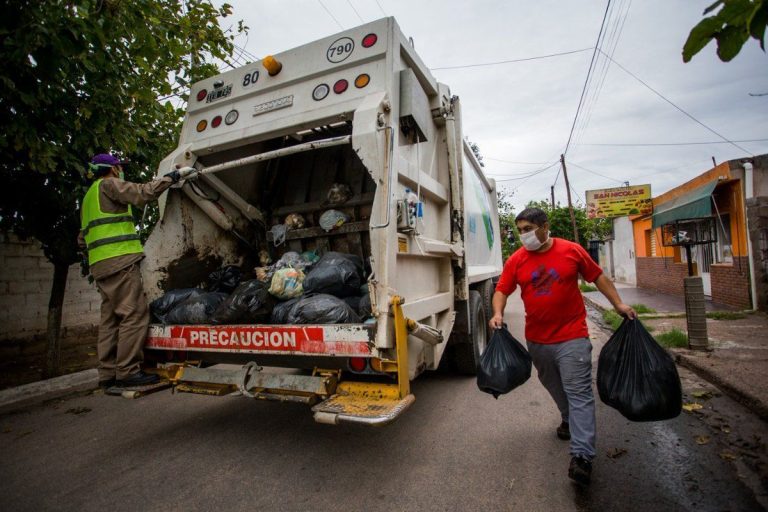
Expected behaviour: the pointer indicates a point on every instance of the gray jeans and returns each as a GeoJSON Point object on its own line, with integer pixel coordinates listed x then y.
{"type": "Point", "coordinates": [565, 370]}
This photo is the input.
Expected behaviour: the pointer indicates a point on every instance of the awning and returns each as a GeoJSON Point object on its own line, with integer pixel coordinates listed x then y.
{"type": "Point", "coordinates": [695, 204]}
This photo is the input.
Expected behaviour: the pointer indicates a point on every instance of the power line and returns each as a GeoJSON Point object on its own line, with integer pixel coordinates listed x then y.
{"type": "Point", "coordinates": [589, 73]}
{"type": "Point", "coordinates": [516, 163]}
{"type": "Point", "coordinates": [595, 173]}
{"type": "Point", "coordinates": [657, 93]}
{"type": "Point", "coordinates": [531, 175]}
{"type": "Point", "coordinates": [511, 60]}
{"type": "Point", "coordinates": [380, 7]}
{"type": "Point", "coordinates": [353, 8]}
{"type": "Point", "coordinates": [646, 144]}
{"type": "Point", "coordinates": [330, 14]}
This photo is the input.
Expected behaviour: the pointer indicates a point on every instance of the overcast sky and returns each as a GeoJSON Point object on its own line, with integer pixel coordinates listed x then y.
{"type": "Point", "coordinates": [520, 114]}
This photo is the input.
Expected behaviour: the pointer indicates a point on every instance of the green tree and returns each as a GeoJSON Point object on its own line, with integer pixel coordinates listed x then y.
{"type": "Point", "coordinates": [81, 77]}
{"type": "Point", "coordinates": [731, 27]}
{"type": "Point", "coordinates": [561, 227]}
{"type": "Point", "coordinates": [509, 241]}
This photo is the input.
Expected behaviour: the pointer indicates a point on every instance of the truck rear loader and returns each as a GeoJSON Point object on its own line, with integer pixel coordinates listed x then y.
{"type": "Point", "coordinates": [269, 140]}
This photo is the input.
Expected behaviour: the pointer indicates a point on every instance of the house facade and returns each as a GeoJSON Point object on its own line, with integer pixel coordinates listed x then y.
{"type": "Point", "coordinates": [717, 198]}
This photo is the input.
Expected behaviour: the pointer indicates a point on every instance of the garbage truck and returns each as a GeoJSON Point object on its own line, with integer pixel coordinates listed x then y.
{"type": "Point", "coordinates": [357, 110]}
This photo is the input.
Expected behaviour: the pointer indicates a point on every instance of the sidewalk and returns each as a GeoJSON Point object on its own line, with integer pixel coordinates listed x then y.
{"type": "Point", "coordinates": [737, 364]}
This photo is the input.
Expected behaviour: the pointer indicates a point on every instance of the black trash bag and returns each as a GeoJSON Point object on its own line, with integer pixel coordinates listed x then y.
{"type": "Point", "coordinates": [281, 311]}
{"type": "Point", "coordinates": [196, 310]}
{"type": "Point", "coordinates": [249, 303]}
{"type": "Point", "coordinates": [504, 365]}
{"type": "Point", "coordinates": [336, 274]}
{"type": "Point", "coordinates": [364, 309]}
{"type": "Point", "coordinates": [161, 306]}
{"type": "Point", "coordinates": [353, 302]}
{"type": "Point", "coordinates": [225, 279]}
{"type": "Point", "coordinates": [322, 309]}
{"type": "Point", "coordinates": [638, 377]}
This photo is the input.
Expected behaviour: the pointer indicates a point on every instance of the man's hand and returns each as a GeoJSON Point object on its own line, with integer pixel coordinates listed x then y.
{"type": "Point", "coordinates": [626, 311]}
{"type": "Point", "coordinates": [496, 322]}
{"type": "Point", "coordinates": [181, 174]}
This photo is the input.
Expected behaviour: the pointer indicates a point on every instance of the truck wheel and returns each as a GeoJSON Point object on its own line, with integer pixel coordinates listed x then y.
{"type": "Point", "coordinates": [486, 290]}
{"type": "Point", "coordinates": [467, 355]}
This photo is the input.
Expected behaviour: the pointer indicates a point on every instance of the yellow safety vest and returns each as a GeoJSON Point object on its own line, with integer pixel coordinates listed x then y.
{"type": "Point", "coordinates": [107, 235]}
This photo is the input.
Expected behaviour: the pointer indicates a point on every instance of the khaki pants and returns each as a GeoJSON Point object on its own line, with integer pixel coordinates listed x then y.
{"type": "Point", "coordinates": [124, 322]}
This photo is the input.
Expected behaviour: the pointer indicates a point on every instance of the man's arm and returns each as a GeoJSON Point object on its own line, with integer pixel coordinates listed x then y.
{"type": "Point", "coordinates": [607, 288]}
{"type": "Point", "coordinates": [137, 194]}
{"type": "Point", "coordinates": [499, 302]}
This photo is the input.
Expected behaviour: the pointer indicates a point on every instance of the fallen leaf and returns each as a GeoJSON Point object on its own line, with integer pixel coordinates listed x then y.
{"type": "Point", "coordinates": [703, 394]}
{"type": "Point", "coordinates": [615, 453]}
{"type": "Point", "coordinates": [91, 353]}
{"type": "Point", "coordinates": [692, 406]}
{"type": "Point", "coordinates": [726, 455]}
{"type": "Point", "coordinates": [700, 440]}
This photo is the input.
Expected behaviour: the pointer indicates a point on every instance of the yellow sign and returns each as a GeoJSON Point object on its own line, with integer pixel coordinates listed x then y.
{"type": "Point", "coordinates": [620, 201]}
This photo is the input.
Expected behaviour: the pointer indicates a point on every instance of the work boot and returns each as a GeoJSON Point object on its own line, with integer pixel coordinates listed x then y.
{"type": "Point", "coordinates": [138, 379]}
{"type": "Point", "coordinates": [107, 383]}
{"type": "Point", "coordinates": [564, 431]}
{"type": "Point", "coordinates": [580, 470]}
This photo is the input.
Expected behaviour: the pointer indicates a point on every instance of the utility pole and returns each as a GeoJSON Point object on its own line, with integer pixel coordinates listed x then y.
{"type": "Point", "coordinates": [570, 205]}
{"type": "Point", "coordinates": [552, 191]}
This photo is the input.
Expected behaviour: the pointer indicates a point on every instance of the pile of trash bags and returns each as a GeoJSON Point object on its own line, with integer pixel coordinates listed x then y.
{"type": "Point", "coordinates": [297, 289]}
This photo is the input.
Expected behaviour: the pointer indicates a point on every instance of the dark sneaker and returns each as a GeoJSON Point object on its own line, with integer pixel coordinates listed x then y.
{"type": "Point", "coordinates": [580, 470]}
{"type": "Point", "coordinates": [107, 383]}
{"type": "Point", "coordinates": [564, 431]}
{"type": "Point", "coordinates": [138, 379]}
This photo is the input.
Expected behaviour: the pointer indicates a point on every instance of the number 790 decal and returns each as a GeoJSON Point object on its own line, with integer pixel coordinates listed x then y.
{"type": "Point", "coordinates": [340, 49]}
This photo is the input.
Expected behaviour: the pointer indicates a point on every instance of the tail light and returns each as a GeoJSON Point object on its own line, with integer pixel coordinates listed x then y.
{"type": "Point", "coordinates": [340, 86]}
{"type": "Point", "coordinates": [357, 364]}
{"type": "Point", "coordinates": [202, 94]}
{"type": "Point", "coordinates": [370, 40]}
{"type": "Point", "coordinates": [216, 122]}
{"type": "Point", "coordinates": [202, 125]}
{"type": "Point", "coordinates": [362, 80]}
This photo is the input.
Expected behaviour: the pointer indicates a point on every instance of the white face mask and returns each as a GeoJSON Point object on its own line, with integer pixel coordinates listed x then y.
{"type": "Point", "coordinates": [531, 242]}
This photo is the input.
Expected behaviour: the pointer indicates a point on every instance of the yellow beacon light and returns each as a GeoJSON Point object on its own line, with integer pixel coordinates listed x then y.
{"type": "Point", "coordinates": [271, 64]}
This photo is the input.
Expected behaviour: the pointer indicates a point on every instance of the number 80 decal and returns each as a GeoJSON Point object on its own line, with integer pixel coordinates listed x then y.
{"type": "Point", "coordinates": [340, 49]}
{"type": "Point", "coordinates": [250, 78]}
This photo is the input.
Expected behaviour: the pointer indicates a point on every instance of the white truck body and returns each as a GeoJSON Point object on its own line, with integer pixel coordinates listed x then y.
{"type": "Point", "coordinates": [274, 145]}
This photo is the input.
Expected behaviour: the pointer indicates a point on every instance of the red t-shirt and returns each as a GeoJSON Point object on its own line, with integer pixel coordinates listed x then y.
{"type": "Point", "coordinates": [554, 307]}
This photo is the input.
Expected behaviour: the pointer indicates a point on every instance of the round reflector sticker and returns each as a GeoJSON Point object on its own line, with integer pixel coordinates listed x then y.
{"type": "Point", "coordinates": [201, 95]}
{"type": "Point", "coordinates": [320, 92]}
{"type": "Point", "coordinates": [340, 86]}
{"type": "Point", "coordinates": [216, 122]}
{"type": "Point", "coordinates": [362, 80]}
{"type": "Point", "coordinates": [202, 125]}
{"type": "Point", "coordinates": [231, 117]}
{"type": "Point", "coordinates": [340, 49]}
{"type": "Point", "coordinates": [370, 40]}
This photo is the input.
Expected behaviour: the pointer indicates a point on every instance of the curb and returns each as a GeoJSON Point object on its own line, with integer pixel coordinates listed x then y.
{"type": "Point", "coordinates": [744, 397]}
{"type": "Point", "coordinates": [14, 398]}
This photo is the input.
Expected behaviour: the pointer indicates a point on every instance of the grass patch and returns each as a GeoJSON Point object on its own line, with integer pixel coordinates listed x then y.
{"type": "Point", "coordinates": [613, 319]}
{"type": "Point", "coordinates": [673, 339]}
{"type": "Point", "coordinates": [585, 288]}
{"type": "Point", "coordinates": [726, 315]}
{"type": "Point", "coordinates": [642, 308]}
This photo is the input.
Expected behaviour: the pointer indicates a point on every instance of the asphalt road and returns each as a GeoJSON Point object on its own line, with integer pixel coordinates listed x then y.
{"type": "Point", "coordinates": [455, 449]}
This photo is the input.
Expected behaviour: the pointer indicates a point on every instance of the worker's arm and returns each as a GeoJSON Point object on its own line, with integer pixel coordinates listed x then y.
{"type": "Point", "coordinates": [137, 194]}
{"type": "Point", "coordinates": [607, 288]}
{"type": "Point", "coordinates": [499, 302]}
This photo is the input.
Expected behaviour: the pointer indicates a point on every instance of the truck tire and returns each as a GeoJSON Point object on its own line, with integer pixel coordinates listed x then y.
{"type": "Point", "coordinates": [466, 356]}
{"type": "Point", "coordinates": [486, 289]}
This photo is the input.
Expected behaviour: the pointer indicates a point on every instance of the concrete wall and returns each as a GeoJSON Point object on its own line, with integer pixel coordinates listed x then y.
{"type": "Point", "coordinates": [730, 283]}
{"type": "Point", "coordinates": [624, 268]}
{"type": "Point", "coordinates": [757, 212]}
{"type": "Point", "coordinates": [25, 287]}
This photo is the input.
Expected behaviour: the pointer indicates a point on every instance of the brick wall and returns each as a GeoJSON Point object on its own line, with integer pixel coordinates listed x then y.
{"type": "Point", "coordinates": [661, 274]}
{"type": "Point", "coordinates": [730, 283]}
{"type": "Point", "coordinates": [25, 287]}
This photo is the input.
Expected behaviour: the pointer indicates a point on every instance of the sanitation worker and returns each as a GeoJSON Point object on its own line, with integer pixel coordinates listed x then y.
{"type": "Point", "coordinates": [114, 252]}
{"type": "Point", "coordinates": [547, 270]}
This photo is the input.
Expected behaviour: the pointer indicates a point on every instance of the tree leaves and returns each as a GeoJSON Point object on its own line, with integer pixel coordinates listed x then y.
{"type": "Point", "coordinates": [731, 27]}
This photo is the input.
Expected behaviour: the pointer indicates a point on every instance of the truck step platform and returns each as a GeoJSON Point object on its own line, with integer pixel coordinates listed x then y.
{"type": "Point", "coordinates": [137, 391]}
{"type": "Point", "coordinates": [362, 403]}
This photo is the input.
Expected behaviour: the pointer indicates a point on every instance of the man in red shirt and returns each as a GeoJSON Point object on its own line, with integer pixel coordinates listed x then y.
{"type": "Point", "coordinates": [547, 270]}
